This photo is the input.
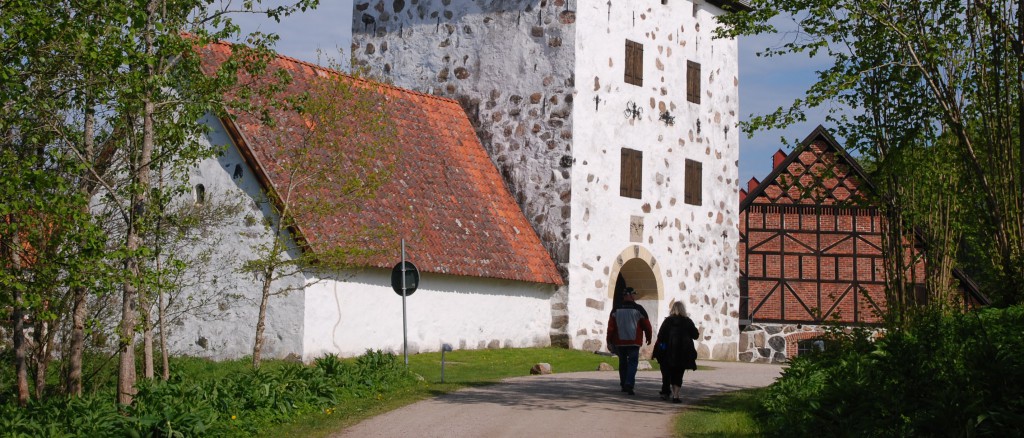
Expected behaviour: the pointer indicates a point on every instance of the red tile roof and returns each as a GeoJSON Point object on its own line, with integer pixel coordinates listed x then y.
{"type": "Point", "coordinates": [445, 196]}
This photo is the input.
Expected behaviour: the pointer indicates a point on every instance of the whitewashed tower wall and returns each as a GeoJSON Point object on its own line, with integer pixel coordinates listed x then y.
{"type": "Point", "coordinates": [690, 248]}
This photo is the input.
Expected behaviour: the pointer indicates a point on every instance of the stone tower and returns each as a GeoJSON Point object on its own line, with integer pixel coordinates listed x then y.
{"type": "Point", "coordinates": [614, 126]}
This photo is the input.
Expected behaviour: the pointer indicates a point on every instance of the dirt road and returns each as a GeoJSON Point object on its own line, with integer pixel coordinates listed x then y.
{"type": "Point", "coordinates": [585, 404]}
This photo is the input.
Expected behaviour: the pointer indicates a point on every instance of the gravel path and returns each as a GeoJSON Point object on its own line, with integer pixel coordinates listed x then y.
{"type": "Point", "coordinates": [587, 404]}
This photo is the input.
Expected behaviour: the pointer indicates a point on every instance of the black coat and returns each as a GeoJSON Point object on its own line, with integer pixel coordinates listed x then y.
{"type": "Point", "coordinates": [675, 343]}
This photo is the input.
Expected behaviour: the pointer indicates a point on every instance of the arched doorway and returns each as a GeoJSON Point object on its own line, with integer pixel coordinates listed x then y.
{"type": "Point", "coordinates": [636, 267]}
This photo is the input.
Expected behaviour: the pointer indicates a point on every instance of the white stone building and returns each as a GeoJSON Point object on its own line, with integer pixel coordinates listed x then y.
{"type": "Point", "coordinates": [614, 123]}
{"type": "Point", "coordinates": [486, 280]}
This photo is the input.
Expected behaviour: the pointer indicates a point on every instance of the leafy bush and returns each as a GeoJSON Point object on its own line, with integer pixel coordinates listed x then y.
{"type": "Point", "coordinates": [240, 404]}
{"type": "Point", "coordinates": [944, 375]}
{"type": "Point", "coordinates": [330, 363]}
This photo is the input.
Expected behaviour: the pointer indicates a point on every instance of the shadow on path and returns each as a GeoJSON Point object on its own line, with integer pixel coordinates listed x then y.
{"type": "Point", "coordinates": [568, 404]}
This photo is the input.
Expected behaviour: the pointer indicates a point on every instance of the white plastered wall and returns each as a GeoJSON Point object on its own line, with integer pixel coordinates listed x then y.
{"type": "Point", "coordinates": [694, 246]}
{"type": "Point", "coordinates": [224, 326]}
{"type": "Point", "coordinates": [361, 311]}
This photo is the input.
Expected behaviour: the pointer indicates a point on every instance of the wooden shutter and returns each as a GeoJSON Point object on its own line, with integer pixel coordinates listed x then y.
{"type": "Point", "coordinates": [631, 173]}
{"type": "Point", "coordinates": [692, 191]}
{"type": "Point", "coordinates": [692, 81]}
{"type": "Point", "coordinates": [634, 63]}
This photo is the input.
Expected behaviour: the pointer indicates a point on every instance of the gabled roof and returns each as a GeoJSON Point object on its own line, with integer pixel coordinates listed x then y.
{"type": "Point", "coordinates": [445, 197]}
{"type": "Point", "coordinates": [828, 185]}
{"type": "Point", "coordinates": [859, 181]}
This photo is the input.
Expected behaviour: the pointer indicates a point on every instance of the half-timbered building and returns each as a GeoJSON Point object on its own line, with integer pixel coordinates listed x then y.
{"type": "Point", "coordinates": [811, 253]}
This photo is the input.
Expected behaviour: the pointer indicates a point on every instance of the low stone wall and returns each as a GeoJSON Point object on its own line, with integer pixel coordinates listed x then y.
{"type": "Point", "coordinates": [774, 343]}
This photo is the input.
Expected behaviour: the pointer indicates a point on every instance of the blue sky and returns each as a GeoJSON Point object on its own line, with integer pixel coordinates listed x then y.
{"type": "Point", "coordinates": [765, 83]}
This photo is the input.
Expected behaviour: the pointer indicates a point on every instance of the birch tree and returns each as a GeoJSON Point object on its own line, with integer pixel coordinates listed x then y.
{"type": "Point", "coordinates": [910, 75]}
{"type": "Point", "coordinates": [332, 141]}
{"type": "Point", "coordinates": [95, 91]}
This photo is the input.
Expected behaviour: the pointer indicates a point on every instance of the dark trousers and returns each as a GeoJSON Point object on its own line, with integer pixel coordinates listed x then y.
{"type": "Point", "coordinates": [674, 374]}
{"type": "Point", "coordinates": [629, 358]}
{"type": "Point", "coordinates": [665, 373]}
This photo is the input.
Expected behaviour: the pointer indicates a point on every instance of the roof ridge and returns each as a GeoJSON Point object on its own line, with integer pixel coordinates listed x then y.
{"type": "Point", "coordinates": [350, 76]}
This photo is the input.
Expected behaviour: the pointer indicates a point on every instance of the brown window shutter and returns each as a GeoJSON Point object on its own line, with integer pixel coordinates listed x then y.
{"type": "Point", "coordinates": [692, 193]}
{"type": "Point", "coordinates": [638, 173]}
{"type": "Point", "coordinates": [631, 174]}
{"type": "Point", "coordinates": [692, 82]}
{"type": "Point", "coordinates": [625, 178]}
{"type": "Point", "coordinates": [634, 73]}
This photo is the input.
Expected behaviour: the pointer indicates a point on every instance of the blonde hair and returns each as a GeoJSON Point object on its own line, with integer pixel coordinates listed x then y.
{"type": "Point", "coordinates": [677, 309]}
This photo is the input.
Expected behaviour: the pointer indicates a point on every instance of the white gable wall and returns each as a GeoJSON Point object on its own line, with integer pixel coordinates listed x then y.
{"type": "Point", "coordinates": [692, 248]}
{"type": "Point", "coordinates": [225, 328]}
{"type": "Point", "coordinates": [362, 312]}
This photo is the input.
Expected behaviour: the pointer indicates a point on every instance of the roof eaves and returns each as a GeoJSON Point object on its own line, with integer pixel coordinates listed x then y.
{"type": "Point", "coordinates": [242, 144]}
{"type": "Point", "coordinates": [732, 5]}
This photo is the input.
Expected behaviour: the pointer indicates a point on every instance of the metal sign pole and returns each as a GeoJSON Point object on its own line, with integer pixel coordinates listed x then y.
{"type": "Point", "coordinates": [405, 330]}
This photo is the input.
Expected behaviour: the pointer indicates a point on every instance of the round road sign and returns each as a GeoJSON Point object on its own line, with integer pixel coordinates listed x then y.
{"type": "Point", "coordinates": [412, 278]}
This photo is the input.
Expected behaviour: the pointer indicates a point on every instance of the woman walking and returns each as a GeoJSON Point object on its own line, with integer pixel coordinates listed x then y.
{"type": "Point", "coordinates": [674, 349]}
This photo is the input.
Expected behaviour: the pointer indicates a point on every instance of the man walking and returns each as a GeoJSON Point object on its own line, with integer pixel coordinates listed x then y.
{"type": "Point", "coordinates": [628, 328]}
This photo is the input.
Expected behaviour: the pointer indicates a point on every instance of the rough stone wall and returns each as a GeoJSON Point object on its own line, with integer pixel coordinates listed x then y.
{"type": "Point", "coordinates": [692, 247]}
{"type": "Point", "coordinates": [510, 64]}
{"type": "Point", "coordinates": [774, 343]}
{"type": "Point", "coordinates": [778, 343]}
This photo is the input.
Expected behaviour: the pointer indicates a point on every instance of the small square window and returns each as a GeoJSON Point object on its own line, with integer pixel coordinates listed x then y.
{"type": "Point", "coordinates": [693, 180]}
{"type": "Point", "coordinates": [693, 82]}
{"type": "Point", "coordinates": [631, 173]}
{"type": "Point", "coordinates": [199, 194]}
{"type": "Point", "coordinates": [809, 346]}
{"type": "Point", "coordinates": [634, 63]}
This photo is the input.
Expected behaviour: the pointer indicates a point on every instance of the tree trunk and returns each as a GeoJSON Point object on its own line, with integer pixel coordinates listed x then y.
{"type": "Point", "coordinates": [126, 375]}
{"type": "Point", "coordinates": [43, 339]}
{"type": "Point", "coordinates": [79, 293]}
{"type": "Point", "coordinates": [126, 344]}
{"type": "Point", "coordinates": [257, 347]}
{"type": "Point", "coordinates": [78, 315]}
{"type": "Point", "coordinates": [166, 369]}
{"type": "Point", "coordinates": [147, 339]}
{"type": "Point", "coordinates": [18, 316]}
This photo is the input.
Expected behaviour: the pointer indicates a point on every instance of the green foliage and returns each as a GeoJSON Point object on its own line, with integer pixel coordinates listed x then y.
{"type": "Point", "coordinates": [941, 375]}
{"type": "Point", "coordinates": [97, 98]}
{"type": "Point", "coordinates": [238, 404]}
{"type": "Point", "coordinates": [930, 77]}
{"type": "Point", "coordinates": [331, 364]}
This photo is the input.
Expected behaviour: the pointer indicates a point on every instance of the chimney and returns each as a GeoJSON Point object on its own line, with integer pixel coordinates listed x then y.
{"type": "Point", "coordinates": [778, 158]}
{"type": "Point", "coordinates": [752, 184]}
{"type": "Point", "coordinates": [743, 195]}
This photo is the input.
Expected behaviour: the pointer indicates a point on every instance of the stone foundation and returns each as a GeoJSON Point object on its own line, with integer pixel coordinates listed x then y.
{"type": "Point", "coordinates": [774, 343]}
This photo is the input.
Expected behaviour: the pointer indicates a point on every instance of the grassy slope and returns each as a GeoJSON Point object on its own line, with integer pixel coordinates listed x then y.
{"type": "Point", "coordinates": [725, 415]}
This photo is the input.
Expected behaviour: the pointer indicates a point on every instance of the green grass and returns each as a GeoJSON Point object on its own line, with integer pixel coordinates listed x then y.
{"type": "Point", "coordinates": [725, 415]}
{"type": "Point", "coordinates": [463, 368]}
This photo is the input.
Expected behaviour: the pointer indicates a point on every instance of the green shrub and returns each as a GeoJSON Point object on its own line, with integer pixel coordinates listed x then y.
{"type": "Point", "coordinates": [943, 375]}
{"type": "Point", "coordinates": [330, 363]}
{"type": "Point", "coordinates": [188, 405]}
